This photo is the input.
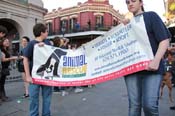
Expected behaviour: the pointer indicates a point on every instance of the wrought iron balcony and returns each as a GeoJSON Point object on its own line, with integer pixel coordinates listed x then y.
{"type": "Point", "coordinates": [81, 29]}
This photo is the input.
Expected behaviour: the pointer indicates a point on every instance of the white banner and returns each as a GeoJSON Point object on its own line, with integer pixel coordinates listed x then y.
{"type": "Point", "coordinates": [123, 50]}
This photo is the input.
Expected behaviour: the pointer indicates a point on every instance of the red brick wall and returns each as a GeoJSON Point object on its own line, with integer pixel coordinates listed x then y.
{"type": "Point", "coordinates": [92, 19]}
{"type": "Point", "coordinates": [56, 24]}
{"type": "Point", "coordinates": [84, 18]}
{"type": "Point", "coordinates": [107, 19]}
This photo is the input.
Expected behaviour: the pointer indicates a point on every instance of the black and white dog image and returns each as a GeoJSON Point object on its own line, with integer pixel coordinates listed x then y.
{"type": "Point", "coordinates": [51, 65]}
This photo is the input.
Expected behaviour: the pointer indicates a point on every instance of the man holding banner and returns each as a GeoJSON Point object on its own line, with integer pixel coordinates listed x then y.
{"type": "Point", "coordinates": [40, 33]}
{"type": "Point", "coordinates": [143, 87]}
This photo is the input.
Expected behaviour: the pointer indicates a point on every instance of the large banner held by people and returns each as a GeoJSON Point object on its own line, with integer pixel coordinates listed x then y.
{"type": "Point", "coordinates": [115, 54]}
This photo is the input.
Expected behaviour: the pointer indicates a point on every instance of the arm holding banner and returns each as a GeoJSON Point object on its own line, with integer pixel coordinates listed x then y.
{"type": "Point", "coordinates": [27, 71]}
{"type": "Point", "coordinates": [154, 64]}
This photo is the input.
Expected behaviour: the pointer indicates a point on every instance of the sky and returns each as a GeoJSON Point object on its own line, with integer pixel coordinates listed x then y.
{"type": "Point", "coordinates": [149, 5]}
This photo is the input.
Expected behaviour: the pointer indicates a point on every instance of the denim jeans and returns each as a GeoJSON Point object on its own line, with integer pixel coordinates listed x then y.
{"type": "Point", "coordinates": [34, 91]}
{"type": "Point", "coordinates": [143, 92]}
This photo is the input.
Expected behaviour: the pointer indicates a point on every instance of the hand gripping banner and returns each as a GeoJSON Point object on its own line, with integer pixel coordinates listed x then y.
{"type": "Point", "coordinates": [123, 50]}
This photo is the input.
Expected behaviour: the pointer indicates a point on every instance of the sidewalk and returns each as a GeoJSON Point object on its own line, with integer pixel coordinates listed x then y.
{"type": "Point", "coordinates": [105, 99]}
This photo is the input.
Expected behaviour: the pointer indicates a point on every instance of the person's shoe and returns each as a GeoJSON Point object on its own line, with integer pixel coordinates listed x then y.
{"type": "Point", "coordinates": [78, 90]}
{"type": "Point", "coordinates": [57, 91]}
{"type": "Point", "coordinates": [64, 93]}
{"type": "Point", "coordinates": [5, 99]}
{"type": "Point", "coordinates": [25, 96]}
{"type": "Point", "coordinates": [172, 108]}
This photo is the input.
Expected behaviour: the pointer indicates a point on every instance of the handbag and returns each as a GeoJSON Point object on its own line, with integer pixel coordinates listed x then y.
{"type": "Point", "coordinates": [5, 71]}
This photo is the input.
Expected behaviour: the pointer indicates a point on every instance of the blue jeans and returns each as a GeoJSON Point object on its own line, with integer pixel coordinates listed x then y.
{"type": "Point", "coordinates": [143, 92]}
{"type": "Point", "coordinates": [34, 91]}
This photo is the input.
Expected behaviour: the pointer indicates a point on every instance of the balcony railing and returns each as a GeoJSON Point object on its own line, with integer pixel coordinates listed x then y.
{"type": "Point", "coordinates": [81, 29]}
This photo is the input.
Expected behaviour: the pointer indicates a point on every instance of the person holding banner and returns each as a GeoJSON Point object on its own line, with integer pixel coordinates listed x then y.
{"type": "Point", "coordinates": [61, 43]}
{"type": "Point", "coordinates": [41, 33]}
{"type": "Point", "coordinates": [143, 87]}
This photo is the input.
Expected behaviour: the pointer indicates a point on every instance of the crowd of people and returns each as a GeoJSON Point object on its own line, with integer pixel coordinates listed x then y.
{"type": "Point", "coordinates": [143, 87]}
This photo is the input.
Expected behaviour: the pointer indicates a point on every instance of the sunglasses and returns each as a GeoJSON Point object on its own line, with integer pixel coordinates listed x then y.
{"type": "Point", "coordinates": [129, 1]}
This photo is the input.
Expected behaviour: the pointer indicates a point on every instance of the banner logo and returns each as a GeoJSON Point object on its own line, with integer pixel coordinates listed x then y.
{"type": "Point", "coordinates": [74, 67]}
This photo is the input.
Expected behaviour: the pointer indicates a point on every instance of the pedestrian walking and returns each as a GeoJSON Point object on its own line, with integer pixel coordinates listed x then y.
{"type": "Point", "coordinates": [143, 87]}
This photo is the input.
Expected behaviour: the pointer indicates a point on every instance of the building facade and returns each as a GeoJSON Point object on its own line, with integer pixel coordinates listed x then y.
{"type": "Point", "coordinates": [93, 15]}
{"type": "Point", "coordinates": [170, 11]}
{"type": "Point", "coordinates": [19, 17]}
{"type": "Point", "coordinates": [170, 16]}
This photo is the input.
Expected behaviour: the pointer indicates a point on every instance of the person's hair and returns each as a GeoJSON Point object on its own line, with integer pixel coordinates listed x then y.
{"type": "Point", "coordinates": [57, 41]}
{"type": "Point", "coordinates": [26, 38]}
{"type": "Point", "coordinates": [38, 28]}
{"type": "Point", "coordinates": [3, 29]}
{"type": "Point", "coordinates": [1, 44]}
{"type": "Point", "coordinates": [142, 6]}
{"type": "Point", "coordinates": [73, 46]}
{"type": "Point", "coordinates": [169, 53]}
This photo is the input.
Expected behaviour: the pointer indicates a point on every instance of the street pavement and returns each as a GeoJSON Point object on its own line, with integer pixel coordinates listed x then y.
{"type": "Point", "coordinates": [105, 99]}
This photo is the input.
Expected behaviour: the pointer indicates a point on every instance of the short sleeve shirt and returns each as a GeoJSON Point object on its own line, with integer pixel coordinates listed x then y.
{"type": "Point", "coordinates": [28, 51]}
{"type": "Point", "coordinates": [157, 32]}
